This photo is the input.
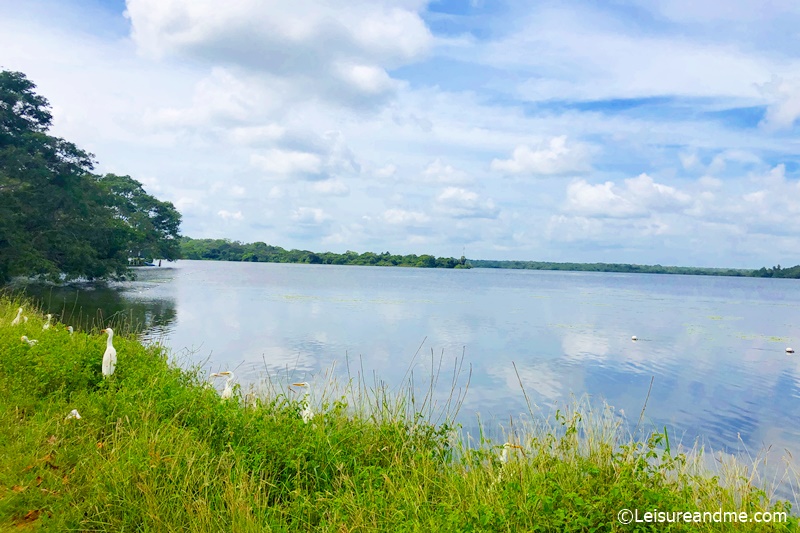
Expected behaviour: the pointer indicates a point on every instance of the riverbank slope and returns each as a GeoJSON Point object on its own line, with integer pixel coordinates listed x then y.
{"type": "Point", "coordinates": [155, 448]}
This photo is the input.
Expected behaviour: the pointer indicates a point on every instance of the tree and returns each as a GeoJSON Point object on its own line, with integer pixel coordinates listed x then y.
{"type": "Point", "coordinates": [151, 225]}
{"type": "Point", "coordinates": [56, 219]}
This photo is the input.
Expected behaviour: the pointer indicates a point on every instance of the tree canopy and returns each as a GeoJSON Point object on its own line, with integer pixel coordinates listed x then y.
{"type": "Point", "coordinates": [57, 218]}
{"type": "Point", "coordinates": [226, 250]}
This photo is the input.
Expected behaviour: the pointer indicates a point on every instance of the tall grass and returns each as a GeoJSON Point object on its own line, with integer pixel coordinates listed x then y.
{"type": "Point", "coordinates": [157, 450]}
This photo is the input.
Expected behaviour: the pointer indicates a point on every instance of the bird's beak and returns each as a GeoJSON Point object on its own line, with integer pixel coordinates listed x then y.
{"type": "Point", "coordinates": [298, 384]}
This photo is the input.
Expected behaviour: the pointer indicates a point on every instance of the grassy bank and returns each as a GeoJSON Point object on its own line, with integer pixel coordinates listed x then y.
{"type": "Point", "coordinates": [156, 449]}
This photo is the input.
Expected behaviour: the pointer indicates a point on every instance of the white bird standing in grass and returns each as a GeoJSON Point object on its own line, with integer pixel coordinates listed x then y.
{"type": "Point", "coordinates": [18, 318]}
{"type": "Point", "coordinates": [508, 446]}
{"type": "Point", "coordinates": [110, 357]}
{"type": "Point", "coordinates": [306, 414]}
{"type": "Point", "coordinates": [73, 414]}
{"type": "Point", "coordinates": [31, 342]}
{"type": "Point", "coordinates": [47, 324]}
{"type": "Point", "coordinates": [227, 392]}
{"type": "Point", "coordinates": [71, 330]}
{"type": "Point", "coordinates": [504, 459]}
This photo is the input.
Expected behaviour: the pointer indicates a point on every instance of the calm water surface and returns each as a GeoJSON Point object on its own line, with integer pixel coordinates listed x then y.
{"type": "Point", "coordinates": [714, 345]}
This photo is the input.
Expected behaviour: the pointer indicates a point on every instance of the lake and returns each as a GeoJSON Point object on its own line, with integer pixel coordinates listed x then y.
{"type": "Point", "coordinates": [714, 346]}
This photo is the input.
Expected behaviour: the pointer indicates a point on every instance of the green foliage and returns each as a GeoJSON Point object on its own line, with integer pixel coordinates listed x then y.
{"type": "Point", "coordinates": [775, 272]}
{"type": "Point", "coordinates": [57, 219]}
{"type": "Point", "coordinates": [609, 267]}
{"type": "Point", "coordinates": [157, 450]}
{"type": "Point", "coordinates": [226, 250]}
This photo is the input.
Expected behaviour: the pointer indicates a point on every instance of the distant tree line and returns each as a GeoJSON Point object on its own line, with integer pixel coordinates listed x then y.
{"type": "Point", "coordinates": [58, 219]}
{"type": "Point", "coordinates": [775, 272]}
{"type": "Point", "coordinates": [226, 250]}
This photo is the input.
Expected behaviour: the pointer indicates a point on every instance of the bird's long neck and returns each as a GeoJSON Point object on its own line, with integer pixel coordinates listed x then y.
{"type": "Point", "coordinates": [108, 340]}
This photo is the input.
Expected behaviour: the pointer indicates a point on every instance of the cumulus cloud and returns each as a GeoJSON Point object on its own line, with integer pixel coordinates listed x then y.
{"type": "Point", "coordinates": [386, 171]}
{"type": "Point", "coordinates": [552, 159]}
{"type": "Point", "coordinates": [771, 208]}
{"type": "Point", "coordinates": [463, 203]}
{"type": "Point", "coordinates": [402, 217]}
{"type": "Point", "coordinates": [330, 187]}
{"type": "Point", "coordinates": [228, 215]}
{"type": "Point", "coordinates": [639, 197]}
{"type": "Point", "coordinates": [221, 99]}
{"type": "Point", "coordinates": [258, 135]}
{"type": "Point", "coordinates": [709, 182]}
{"type": "Point", "coordinates": [784, 110]}
{"type": "Point", "coordinates": [335, 51]}
{"type": "Point", "coordinates": [287, 163]}
{"type": "Point", "coordinates": [309, 215]}
{"type": "Point", "coordinates": [440, 172]}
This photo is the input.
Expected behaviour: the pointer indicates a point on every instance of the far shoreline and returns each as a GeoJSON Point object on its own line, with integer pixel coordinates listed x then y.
{"type": "Point", "coordinates": [259, 252]}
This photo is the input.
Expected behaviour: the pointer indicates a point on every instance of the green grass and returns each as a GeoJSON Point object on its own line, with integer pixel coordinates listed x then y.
{"type": "Point", "coordinates": [157, 450]}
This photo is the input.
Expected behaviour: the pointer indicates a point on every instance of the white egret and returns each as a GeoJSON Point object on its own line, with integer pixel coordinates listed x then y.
{"type": "Point", "coordinates": [31, 342]}
{"type": "Point", "coordinates": [789, 350]}
{"type": "Point", "coordinates": [634, 338]}
{"type": "Point", "coordinates": [306, 414]}
{"type": "Point", "coordinates": [73, 414]}
{"type": "Point", "coordinates": [71, 330]}
{"type": "Point", "coordinates": [504, 459]}
{"type": "Point", "coordinates": [18, 318]}
{"type": "Point", "coordinates": [227, 392]}
{"type": "Point", "coordinates": [110, 357]}
{"type": "Point", "coordinates": [47, 324]}
{"type": "Point", "coordinates": [508, 446]}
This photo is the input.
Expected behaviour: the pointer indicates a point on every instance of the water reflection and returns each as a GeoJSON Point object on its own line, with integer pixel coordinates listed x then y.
{"type": "Point", "coordinates": [124, 306]}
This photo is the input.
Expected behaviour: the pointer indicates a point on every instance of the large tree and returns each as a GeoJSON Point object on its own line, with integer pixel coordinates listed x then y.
{"type": "Point", "coordinates": [57, 218]}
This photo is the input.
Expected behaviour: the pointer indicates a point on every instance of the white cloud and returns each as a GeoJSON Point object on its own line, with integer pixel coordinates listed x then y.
{"type": "Point", "coordinates": [553, 159]}
{"type": "Point", "coordinates": [367, 79]}
{"type": "Point", "coordinates": [440, 172]}
{"type": "Point", "coordinates": [220, 99]}
{"type": "Point", "coordinates": [588, 54]}
{"type": "Point", "coordinates": [228, 215]}
{"type": "Point", "coordinates": [721, 160]}
{"type": "Point", "coordinates": [784, 110]}
{"type": "Point", "coordinates": [402, 217]}
{"type": "Point", "coordinates": [709, 182]}
{"type": "Point", "coordinates": [463, 203]}
{"type": "Point", "coordinates": [689, 161]}
{"type": "Point", "coordinates": [386, 171]}
{"type": "Point", "coordinates": [287, 162]}
{"type": "Point", "coordinates": [259, 135]}
{"type": "Point", "coordinates": [330, 187]}
{"type": "Point", "coordinates": [640, 197]}
{"type": "Point", "coordinates": [309, 215]}
{"type": "Point", "coordinates": [189, 206]}
{"type": "Point", "coordinates": [330, 50]}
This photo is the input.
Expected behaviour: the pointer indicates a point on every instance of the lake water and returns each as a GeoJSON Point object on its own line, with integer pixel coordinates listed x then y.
{"type": "Point", "coordinates": [714, 346]}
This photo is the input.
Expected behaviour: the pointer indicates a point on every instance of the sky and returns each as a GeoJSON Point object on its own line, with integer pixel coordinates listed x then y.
{"type": "Point", "coordinates": [650, 132]}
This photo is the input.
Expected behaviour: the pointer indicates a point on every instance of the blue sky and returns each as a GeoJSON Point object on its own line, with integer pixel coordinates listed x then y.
{"type": "Point", "coordinates": [644, 132]}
